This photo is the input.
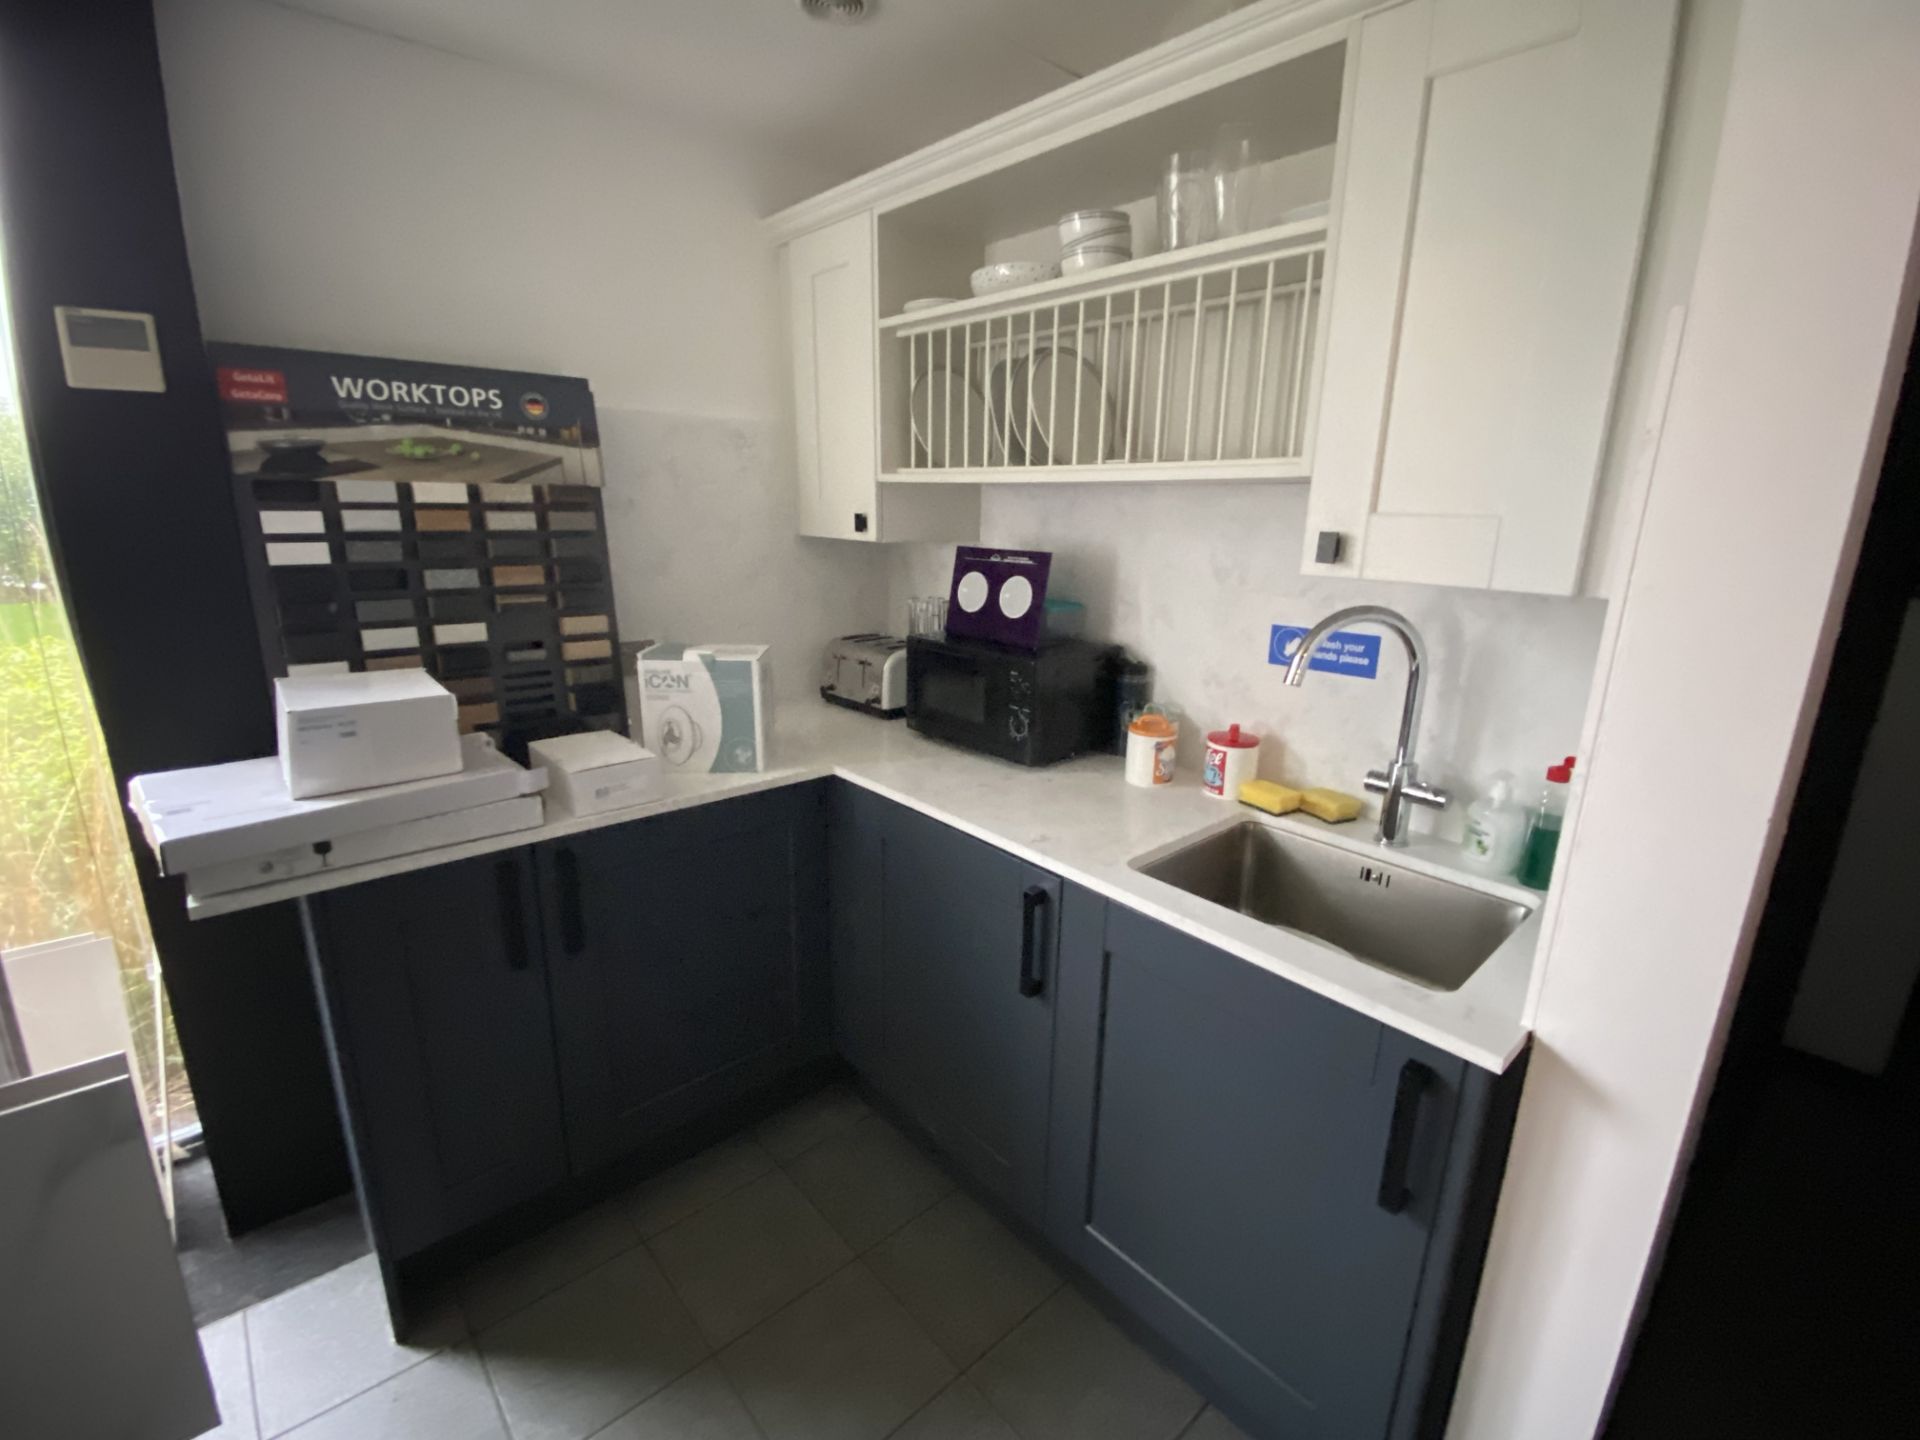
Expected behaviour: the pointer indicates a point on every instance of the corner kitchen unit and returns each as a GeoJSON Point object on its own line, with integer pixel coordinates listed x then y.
{"type": "Point", "coordinates": [1250, 1079]}
{"type": "Point", "coordinates": [1275, 1159]}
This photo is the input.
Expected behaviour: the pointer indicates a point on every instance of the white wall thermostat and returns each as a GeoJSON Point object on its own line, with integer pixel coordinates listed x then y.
{"type": "Point", "coordinates": [109, 349]}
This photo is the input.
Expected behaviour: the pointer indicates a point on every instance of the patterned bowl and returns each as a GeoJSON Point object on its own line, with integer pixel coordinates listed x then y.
{"type": "Point", "coordinates": [1010, 275]}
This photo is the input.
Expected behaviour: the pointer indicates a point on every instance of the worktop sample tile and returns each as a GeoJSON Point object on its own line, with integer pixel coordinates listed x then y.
{"type": "Point", "coordinates": [223, 1345]}
{"type": "Point", "coordinates": [444, 1398]}
{"type": "Point", "coordinates": [1068, 1373]}
{"type": "Point", "coordinates": [439, 492]}
{"type": "Point", "coordinates": [392, 637]}
{"type": "Point", "coordinates": [513, 1279]}
{"type": "Point", "coordinates": [351, 520]}
{"type": "Point", "coordinates": [292, 522]}
{"type": "Point", "coordinates": [512, 520]}
{"type": "Point", "coordinates": [744, 1256]}
{"type": "Point", "coordinates": [692, 1185]}
{"type": "Point", "coordinates": [469, 633]}
{"type": "Point", "coordinates": [299, 552]}
{"type": "Point", "coordinates": [959, 1412]}
{"type": "Point", "coordinates": [461, 579]}
{"type": "Point", "coordinates": [806, 1123]}
{"type": "Point", "coordinates": [382, 612]}
{"type": "Point", "coordinates": [700, 1405]}
{"type": "Point", "coordinates": [967, 1278]}
{"type": "Point", "coordinates": [440, 520]}
{"type": "Point", "coordinates": [366, 492]}
{"type": "Point", "coordinates": [843, 1362]}
{"type": "Point", "coordinates": [868, 1181]}
{"type": "Point", "coordinates": [586, 1354]}
{"type": "Point", "coordinates": [375, 552]}
{"type": "Point", "coordinates": [327, 1340]}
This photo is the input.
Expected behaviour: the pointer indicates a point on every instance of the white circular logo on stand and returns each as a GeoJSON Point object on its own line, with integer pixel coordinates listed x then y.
{"type": "Point", "coordinates": [1016, 597]}
{"type": "Point", "coordinates": [971, 591]}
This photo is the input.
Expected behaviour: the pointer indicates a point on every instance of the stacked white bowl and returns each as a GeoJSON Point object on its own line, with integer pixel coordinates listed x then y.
{"type": "Point", "coordinates": [1094, 239]}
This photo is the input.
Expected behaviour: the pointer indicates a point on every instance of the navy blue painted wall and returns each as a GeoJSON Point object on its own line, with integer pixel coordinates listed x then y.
{"type": "Point", "coordinates": [136, 496]}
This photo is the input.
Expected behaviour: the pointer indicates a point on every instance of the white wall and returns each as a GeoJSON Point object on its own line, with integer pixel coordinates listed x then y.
{"type": "Point", "coordinates": [1710, 675]}
{"type": "Point", "coordinates": [347, 191]}
{"type": "Point", "coordinates": [1190, 578]}
{"type": "Point", "coordinates": [1865, 953]}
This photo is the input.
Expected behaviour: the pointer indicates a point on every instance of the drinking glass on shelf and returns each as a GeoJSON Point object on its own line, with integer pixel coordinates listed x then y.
{"type": "Point", "coordinates": [1187, 201]}
{"type": "Point", "coordinates": [1236, 179]}
{"type": "Point", "coordinates": [927, 615]}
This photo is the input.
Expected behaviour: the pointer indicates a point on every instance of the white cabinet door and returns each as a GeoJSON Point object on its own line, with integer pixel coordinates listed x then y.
{"type": "Point", "coordinates": [1498, 167]}
{"type": "Point", "coordinates": [829, 283]}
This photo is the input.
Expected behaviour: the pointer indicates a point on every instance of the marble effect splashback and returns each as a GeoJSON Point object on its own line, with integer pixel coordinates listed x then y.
{"type": "Point", "coordinates": [700, 524]}
{"type": "Point", "coordinates": [1190, 577]}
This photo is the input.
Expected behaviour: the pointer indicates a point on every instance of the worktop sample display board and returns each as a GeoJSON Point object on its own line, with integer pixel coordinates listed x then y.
{"type": "Point", "coordinates": [400, 514]}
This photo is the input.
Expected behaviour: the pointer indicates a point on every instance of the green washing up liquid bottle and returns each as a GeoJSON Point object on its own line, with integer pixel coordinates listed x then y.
{"type": "Point", "coordinates": [1543, 835]}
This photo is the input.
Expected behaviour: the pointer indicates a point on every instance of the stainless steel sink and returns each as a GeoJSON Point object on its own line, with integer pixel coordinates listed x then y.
{"type": "Point", "coordinates": [1433, 932]}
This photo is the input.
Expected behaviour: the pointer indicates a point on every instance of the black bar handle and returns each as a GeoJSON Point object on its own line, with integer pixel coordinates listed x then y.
{"type": "Point", "coordinates": [1033, 906]}
{"type": "Point", "coordinates": [573, 926]}
{"type": "Point", "coordinates": [513, 911]}
{"type": "Point", "coordinates": [1395, 1192]}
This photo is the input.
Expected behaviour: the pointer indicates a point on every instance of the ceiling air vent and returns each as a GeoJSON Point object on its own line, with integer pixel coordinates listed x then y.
{"type": "Point", "coordinates": [843, 12]}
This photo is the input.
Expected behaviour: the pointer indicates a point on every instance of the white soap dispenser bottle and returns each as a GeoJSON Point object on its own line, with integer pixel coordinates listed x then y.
{"type": "Point", "coordinates": [1496, 830]}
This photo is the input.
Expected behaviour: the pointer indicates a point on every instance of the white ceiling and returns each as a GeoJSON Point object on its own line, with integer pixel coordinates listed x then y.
{"type": "Point", "coordinates": [837, 100]}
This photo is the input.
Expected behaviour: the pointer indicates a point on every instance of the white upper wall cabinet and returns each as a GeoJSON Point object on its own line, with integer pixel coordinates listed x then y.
{"type": "Point", "coordinates": [1497, 176]}
{"type": "Point", "coordinates": [1421, 317]}
{"type": "Point", "coordinates": [829, 286]}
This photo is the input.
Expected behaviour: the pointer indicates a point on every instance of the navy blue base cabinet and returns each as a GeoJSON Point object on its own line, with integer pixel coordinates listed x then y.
{"type": "Point", "coordinates": [687, 956]}
{"type": "Point", "coordinates": [434, 995]}
{"type": "Point", "coordinates": [944, 950]}
{"type": "Point", "coordinates": [503, 1028]}
{"type": "Point", "coordinates": [1292, 1200]}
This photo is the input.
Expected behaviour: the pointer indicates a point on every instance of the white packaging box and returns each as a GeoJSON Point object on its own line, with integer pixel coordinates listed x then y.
{"type": "Point", "coordinates": [215, 814]}
{"type": "Point", "coordinates": [597, 771]}
{"type": "Point", "coordinates": [409, 837]}
{"type": "Point", "coordinates": [356, 731]}
{"type": "Point", "coordinates": [704, 707]}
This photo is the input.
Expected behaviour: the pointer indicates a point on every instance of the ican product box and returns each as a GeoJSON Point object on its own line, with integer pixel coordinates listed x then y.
{"type": "Point", "coordinates": [704, 707]}
{"type": "Point", "coordinates": [596, 771]}
{"type": "Point", "coordinates": [355, 731]}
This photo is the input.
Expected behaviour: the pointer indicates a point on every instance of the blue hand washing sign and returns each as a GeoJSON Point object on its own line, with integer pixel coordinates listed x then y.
{"type": "Point", "coordinates": [1346, 652]}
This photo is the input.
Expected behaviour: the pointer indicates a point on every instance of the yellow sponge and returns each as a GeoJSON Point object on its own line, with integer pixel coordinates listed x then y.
{"type": "Point", "coordinates": [1266, 795]}
{"type": "Point", "coordinates": [1332, 806]}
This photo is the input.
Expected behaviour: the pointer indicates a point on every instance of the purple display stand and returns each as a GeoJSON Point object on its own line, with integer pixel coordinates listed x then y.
{"type": "Point", "coordinates": [999, 595]}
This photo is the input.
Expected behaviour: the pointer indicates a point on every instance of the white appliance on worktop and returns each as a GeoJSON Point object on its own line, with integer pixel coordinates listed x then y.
{"type": "Point", "coordinates": [1435, 356]}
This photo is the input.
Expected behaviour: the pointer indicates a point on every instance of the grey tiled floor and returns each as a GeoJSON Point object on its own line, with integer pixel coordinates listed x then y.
{"type": "Point", "coordinates": [816, 1279]}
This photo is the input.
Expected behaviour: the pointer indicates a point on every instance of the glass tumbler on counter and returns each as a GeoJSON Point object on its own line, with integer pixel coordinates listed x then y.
{"type": "Point", "coordinates": [1187, 201]}
{"type": "Point", "coordinates": [927, 615]}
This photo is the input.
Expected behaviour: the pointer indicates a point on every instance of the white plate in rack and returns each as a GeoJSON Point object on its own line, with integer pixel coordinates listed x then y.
{"type": "Point", "coordinates": [941, 393]}
{"type": "Point", "coordinates": [1051, 379]}
{"type": "Point", "coordinates": [926, 302]}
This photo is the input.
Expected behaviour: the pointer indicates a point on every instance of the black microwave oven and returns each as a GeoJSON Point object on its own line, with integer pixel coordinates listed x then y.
{"type": "Point", "coordinates": [1032, 707]}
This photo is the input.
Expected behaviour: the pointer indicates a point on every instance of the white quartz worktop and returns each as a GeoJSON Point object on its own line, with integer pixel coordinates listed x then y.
{"type": "Point", "coordinates": [1083, 822]}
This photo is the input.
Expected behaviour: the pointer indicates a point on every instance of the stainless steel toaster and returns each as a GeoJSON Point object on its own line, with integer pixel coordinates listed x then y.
{"type": "Point", "coordinates": [867, 672]}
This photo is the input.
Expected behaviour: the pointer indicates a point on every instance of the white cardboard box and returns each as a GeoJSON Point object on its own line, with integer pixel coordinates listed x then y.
{"type": "Point", "coordinates": [430, 832]}
{"type": "Point", "coordinates": [359, 730]}
{"type": "Point", "coordinates": [704, 707]}
{"type": "Point", "coordinates": [597, 771]}
{"type": "Point", "coordinates": [212, 814]}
